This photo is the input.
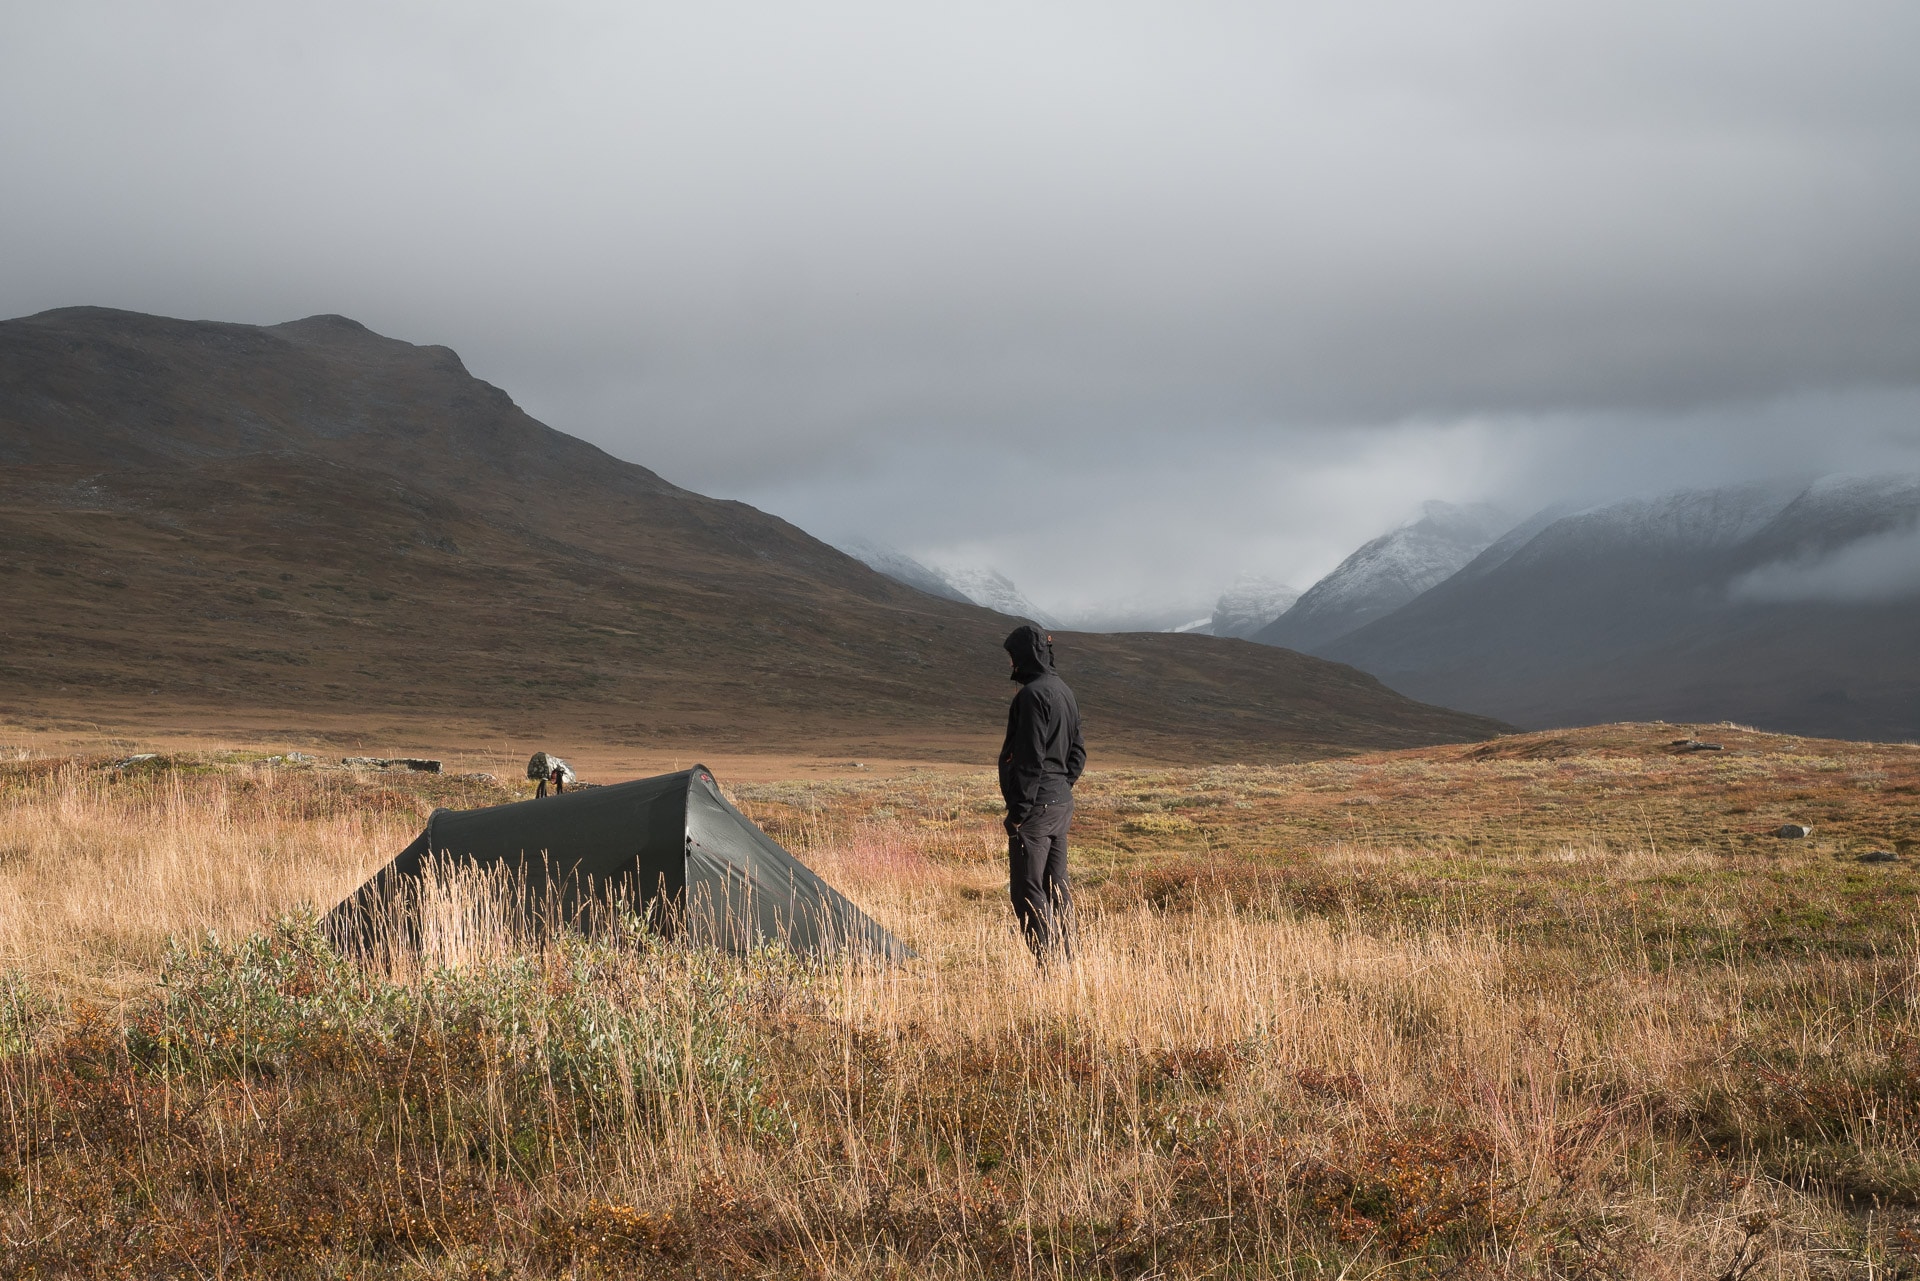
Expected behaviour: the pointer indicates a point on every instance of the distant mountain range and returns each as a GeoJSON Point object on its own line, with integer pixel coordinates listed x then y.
{"type": "Point", "coordinates": [245, 530]}
{"type": "Point", "coordinates": [1243, 609]}
{"type": "Point", "coordinates": [1791, 606]}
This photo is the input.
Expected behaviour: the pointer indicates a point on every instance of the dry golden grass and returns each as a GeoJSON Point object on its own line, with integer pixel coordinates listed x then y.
{"type": "Point", "coordinates": [99, 866]}
{"type": "Point", "coordinates": [1556, 1008]}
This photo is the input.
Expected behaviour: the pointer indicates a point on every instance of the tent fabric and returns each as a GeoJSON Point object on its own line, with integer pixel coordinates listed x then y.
{"type": "Point", "coordinates": [685, 854]}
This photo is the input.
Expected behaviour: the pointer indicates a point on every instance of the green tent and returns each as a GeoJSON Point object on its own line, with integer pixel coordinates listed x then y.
{"type": "Point", "coordinates": [673, 845]}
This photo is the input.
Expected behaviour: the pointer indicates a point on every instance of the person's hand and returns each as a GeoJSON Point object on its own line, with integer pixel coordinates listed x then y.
{"type": "Point", "coordinates": [1012, 825]}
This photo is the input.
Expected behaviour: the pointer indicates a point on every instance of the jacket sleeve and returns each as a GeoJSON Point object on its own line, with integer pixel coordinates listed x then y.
{"type": "Point", "coordinates": [1020, 756]}
{"type": "Point", "coordinates": [1076, 751]}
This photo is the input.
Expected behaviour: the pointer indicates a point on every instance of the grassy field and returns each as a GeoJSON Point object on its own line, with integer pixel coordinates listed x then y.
{"type": "Point", "coordinates": [1552, 1005]}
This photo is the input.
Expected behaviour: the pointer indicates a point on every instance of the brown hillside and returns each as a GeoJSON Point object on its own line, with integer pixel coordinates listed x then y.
{"type": "Point", "coordinates": [310, 524]}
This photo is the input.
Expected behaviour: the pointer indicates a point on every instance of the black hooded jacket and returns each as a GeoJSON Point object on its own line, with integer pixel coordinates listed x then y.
{"type": "Point", "coordinates": [1043, 755]}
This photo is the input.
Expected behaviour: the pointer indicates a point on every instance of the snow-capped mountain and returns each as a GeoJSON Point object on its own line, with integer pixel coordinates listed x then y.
{"type": "Point", "coordinates": [993, 589]}
{"type": "Point", "coordinates": [1250, 604]}
{"type": "Point", "coordinates": [1386, 573]}
{"type": "Point", "coordinates": [972, 585]}
{"type": "Point", "coordinates": [902, 568]}
{"type": "Point", "coordinates": [1791, 606]}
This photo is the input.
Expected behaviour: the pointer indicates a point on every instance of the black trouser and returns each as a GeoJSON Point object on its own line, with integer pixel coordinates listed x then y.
{"type": "Point", "coordinates": [1037, 877]}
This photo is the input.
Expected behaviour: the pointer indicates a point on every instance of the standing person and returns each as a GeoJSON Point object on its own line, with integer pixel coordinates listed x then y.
{"type": "Point", "coordinates": [1040, 762]}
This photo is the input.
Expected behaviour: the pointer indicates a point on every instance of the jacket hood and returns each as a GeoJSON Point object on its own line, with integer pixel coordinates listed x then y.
{"type": "Point", "coordinates": [1032, 651]}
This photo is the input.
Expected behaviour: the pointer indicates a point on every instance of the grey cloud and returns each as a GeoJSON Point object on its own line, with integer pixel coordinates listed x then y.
{"type": "Point", "coordinates": [1262, 277]}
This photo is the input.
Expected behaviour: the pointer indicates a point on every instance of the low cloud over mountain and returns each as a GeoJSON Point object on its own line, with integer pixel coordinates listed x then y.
{"type": "Point", "coordinates": [1874, 567]}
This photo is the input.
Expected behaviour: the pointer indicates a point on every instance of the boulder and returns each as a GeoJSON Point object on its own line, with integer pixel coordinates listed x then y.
{"type": "Point", "coordinates": [1879, 856]}
{"type": "Point", "coordinates": [1793, 831]}
{"type": "Point", "coordinates": [542, 765]}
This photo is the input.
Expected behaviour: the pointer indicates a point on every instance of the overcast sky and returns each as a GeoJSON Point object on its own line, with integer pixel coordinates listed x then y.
{"type": "Point", "coordinates": [1124, 299]}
